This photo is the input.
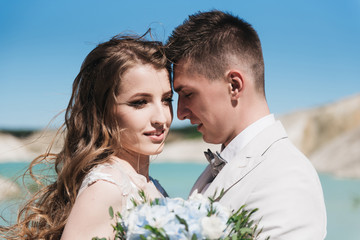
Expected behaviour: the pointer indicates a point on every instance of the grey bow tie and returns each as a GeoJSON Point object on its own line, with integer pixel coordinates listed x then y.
{"type": "Point", "coordinates": [216, 162]}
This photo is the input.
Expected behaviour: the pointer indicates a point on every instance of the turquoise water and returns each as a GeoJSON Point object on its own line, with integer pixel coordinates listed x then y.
{"type": "Point", "coordinates": [342, 196]}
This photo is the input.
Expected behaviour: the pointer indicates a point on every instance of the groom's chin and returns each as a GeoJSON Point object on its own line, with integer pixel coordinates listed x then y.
{"type": "Point", "coordinates": [210, 140]}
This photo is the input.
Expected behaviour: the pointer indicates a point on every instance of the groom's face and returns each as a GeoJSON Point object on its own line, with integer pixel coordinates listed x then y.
{"type": "Point", "coordinates": [206, 103]}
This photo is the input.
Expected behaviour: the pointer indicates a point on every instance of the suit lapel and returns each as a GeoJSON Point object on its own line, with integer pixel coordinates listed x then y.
{"type": "Point", "coordinates": [246, 160]}
{"type": "Point", "coordinates": [232, 173]}
{"type": "Point", "coordinates": [203, 179]}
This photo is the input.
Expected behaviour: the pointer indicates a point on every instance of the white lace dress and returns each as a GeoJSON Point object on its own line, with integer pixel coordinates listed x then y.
{"type": "Point", "coordinates": [124, 176]}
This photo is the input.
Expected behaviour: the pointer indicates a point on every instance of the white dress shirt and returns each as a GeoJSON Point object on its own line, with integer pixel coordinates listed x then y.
{"type": "Point", "coordinates": [243, 138]}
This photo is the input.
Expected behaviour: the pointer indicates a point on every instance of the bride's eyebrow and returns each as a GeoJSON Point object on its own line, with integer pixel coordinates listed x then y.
{"type": "Point", "coordinates": [147, 95]}
{"type": "Point", "coordinates": [140, 94]}
{"type": "Point", "coordinates": [168, 93]}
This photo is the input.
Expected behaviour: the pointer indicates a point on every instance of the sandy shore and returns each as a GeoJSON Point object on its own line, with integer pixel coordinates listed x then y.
{"type": "Point", "coordinates": [8, 189]}
{"type": "Point", "coordinates": [13, 149]}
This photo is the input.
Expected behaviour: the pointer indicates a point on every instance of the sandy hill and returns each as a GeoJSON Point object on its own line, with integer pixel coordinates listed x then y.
{"type": "Point", "coordinates": [26, 148]}
{"type": "Point", "coordinates": [329, 135]}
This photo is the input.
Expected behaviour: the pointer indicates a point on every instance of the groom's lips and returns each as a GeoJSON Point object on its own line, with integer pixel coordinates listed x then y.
{"type": "Point", "coordinates": [198, 123]}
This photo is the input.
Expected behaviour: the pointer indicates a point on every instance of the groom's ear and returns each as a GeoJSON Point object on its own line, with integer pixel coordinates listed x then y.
{"type": "Point", "coordinates": [236, 84]}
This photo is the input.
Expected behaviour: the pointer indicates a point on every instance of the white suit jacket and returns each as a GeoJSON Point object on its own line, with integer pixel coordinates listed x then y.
{"type": "Point", "coordinates": [271, 174]}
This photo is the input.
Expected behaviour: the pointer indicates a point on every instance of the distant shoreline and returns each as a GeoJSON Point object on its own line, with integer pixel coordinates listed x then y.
{"type": "Point", "coordinates": [329, 135]}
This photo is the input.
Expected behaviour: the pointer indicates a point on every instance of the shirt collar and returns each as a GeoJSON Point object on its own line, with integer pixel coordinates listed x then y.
{"type": "Point", "coordinates": [243, 138]}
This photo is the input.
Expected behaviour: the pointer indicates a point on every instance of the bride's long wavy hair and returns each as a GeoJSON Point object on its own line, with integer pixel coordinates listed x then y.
{"type": "Point", "coordinates": [91, 133]}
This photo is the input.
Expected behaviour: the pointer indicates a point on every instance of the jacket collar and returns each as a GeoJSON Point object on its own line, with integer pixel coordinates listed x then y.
{"type": "Point", "coordinates": [246, 136]}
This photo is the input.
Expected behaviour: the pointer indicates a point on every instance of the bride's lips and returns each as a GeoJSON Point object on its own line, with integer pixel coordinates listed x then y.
{"type": "Point", "coordinates": [156, 136]}
{"type": "Point", "coordinates": [199, 126]}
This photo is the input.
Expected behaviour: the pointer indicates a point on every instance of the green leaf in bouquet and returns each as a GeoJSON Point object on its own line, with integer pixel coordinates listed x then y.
{"type": "Point", "coordinates": [246, 230]}
{"type": "Point", "coordinates": [158, 233]}
{"type": "Point", "coordinates": [194, 237]}
{"type": "Point", "coordinates": [156, 201]}
{"type": "Point", "coordinates": [111, 212]}
{"type": "Point", "coordinates": [143, 196]}
{"type": "Point", "coordinates": [134, 202]}
{"type": "Point", "coordinates": [183, 222]}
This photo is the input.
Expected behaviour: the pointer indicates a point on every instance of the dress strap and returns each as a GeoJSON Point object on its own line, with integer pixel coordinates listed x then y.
{"type": "Point", "coordinates": [158, 186]}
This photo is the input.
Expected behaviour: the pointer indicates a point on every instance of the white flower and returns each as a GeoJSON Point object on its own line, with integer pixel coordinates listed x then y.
{"type": "Point", "coordinates": [196, 196]}
{"type": "Point", "coordinates": [158, 216]}
{"type": "Point", "coordinates": [213, 227]}
{"type": "Point", "coordinates": [222, 212]}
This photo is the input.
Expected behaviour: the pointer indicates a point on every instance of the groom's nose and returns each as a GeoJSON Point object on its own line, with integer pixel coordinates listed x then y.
{"type": "Point", "coordinates": [182, 110]}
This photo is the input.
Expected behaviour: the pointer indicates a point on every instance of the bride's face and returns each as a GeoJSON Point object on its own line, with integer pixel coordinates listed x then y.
{"type": "Point", "coordinates": [144, 109]}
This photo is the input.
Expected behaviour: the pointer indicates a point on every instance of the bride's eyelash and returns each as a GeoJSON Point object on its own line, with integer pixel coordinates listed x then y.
{"type": "Point", "coordinates": [142, 102]}
{"type": "Point", "coordinates": [168, 100]}
{"type": "Point", "coordinates": [137, 103]}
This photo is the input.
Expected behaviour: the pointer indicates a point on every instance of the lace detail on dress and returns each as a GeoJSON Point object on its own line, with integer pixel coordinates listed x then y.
{"type": "Point", "coordinates": [95, 175]}
{"type": "Point", "coordinates": [125, 178]}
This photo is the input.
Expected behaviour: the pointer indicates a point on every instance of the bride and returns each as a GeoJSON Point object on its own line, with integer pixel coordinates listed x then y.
{"type": "Point", "coordinates": [118, 115]}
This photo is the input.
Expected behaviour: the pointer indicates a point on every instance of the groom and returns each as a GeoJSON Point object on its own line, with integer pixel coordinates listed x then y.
{"type": "Point", "coordinates": [219, 75]}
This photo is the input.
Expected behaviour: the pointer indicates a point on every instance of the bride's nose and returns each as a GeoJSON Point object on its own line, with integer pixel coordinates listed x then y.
{"type": "Point", "coordinates": [160, 115]}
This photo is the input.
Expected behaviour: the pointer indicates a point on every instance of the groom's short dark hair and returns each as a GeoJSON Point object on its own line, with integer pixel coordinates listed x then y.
{"type": "Point", "coordinates": [210, 40]}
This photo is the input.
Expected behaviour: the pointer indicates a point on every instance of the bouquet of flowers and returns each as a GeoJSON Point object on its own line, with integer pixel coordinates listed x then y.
{"type": "Point", "coordinates": [176, 218]}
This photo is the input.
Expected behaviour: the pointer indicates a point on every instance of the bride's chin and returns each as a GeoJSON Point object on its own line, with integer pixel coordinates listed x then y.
{"type": "Point", "coordinates": [158, 150]}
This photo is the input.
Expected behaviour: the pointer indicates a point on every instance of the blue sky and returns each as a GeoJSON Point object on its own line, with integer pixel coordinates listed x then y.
{"type": "Point", "coordinates": [311, 48]}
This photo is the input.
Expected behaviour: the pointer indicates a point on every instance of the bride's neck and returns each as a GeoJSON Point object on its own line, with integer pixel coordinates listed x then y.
{"type": "Point", "coordinates": [139, 162]}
